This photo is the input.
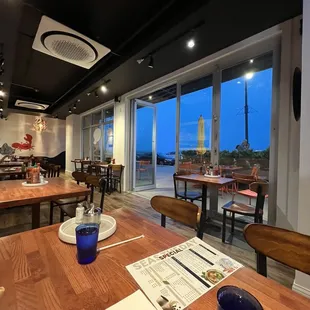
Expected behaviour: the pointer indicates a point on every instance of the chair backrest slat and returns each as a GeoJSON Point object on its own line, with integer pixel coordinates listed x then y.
{"type": "Point", "coordinates": [285, 246]}
{"type": "Point", "coordinates": [179, 210]}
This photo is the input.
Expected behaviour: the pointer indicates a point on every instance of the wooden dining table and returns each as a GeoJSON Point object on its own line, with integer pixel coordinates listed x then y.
{"type": "Point", "coordinates": [214, 184]}
{"type": "Point", "coordinates": [4, 172]}
{"type": "Point", "coordinates": [14, 194]}
{"type": "Point", "coordinates": [38, 271]}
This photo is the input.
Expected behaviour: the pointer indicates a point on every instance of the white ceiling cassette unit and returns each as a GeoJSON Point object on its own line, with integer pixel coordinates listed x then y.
{"type": "Point", "coordinates": [31, 105]}
{"type": "Point", "coordinates": [64, 43]}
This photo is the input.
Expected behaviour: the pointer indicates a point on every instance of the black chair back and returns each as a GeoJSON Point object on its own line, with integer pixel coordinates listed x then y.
{"type": "Point", "coordinates": [94, 181]}
{"type": "Point", "coordinates": [53, 171]}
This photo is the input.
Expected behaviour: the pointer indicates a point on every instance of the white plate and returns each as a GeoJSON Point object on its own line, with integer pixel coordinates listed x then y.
{"type": "Point", "coordinates": [36, 184]}
{"type": "Point", "coordinates": [66, 231]}
{"type": "Point", "coordinates": [212, 176]}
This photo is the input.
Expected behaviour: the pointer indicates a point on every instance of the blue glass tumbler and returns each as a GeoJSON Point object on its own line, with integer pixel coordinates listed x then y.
{"type": "Point", "coordinates": [235, 298]}
{"type": "Point", "coordinates": [86, 242]}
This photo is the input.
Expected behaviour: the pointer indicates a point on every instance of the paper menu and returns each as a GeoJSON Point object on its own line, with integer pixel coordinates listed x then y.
{"type": "Point", "coordinates": [176, 277]}
{"type": "Point", "coordinates": [136, 301]}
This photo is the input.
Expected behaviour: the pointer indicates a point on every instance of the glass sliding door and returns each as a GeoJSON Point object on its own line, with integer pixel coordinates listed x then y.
{"type": "Point", "coordinates": [195, 124]}
{"type": "Point", "coordinates": [145, 146]}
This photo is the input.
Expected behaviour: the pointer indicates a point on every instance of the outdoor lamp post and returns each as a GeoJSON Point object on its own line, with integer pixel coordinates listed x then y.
{"type": "Point", "coordinates": [247, 77]}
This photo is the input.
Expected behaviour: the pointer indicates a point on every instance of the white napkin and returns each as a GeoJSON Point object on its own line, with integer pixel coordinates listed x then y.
{"type": "Point", "coordinates": [136, 301]}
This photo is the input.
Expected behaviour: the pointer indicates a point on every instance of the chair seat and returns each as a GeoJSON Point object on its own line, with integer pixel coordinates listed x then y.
{"type": "Point", "coordinates": [65, 201]}
{"type": "Point", "coordinates": [248, 193]}
{"type": "Point", "coordinates": [240, 208]}
{"type": "Point", "coordinates": [189, 195]}
{"type": "Point", "coordinates": [69, 209]}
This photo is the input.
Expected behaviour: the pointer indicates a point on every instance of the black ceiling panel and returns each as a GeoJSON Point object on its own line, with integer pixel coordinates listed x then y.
{"type": "Point", "coordinates": [131, 29]}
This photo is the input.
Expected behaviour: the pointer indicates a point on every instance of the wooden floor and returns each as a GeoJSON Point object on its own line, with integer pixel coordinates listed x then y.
{"type": "Point", "coordinates": [14, 220]}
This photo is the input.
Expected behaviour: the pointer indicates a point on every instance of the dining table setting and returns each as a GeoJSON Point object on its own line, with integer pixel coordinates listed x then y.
{"type": "Point", "coordinates": [39, 271]}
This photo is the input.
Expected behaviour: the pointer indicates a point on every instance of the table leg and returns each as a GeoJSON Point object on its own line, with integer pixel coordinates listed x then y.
{"type": "Point", "coordinates": [36, 216]}
{"type": "Point", "coordinates": [213, 201]}
{"type": "Point", "coordinates": [203, 216]}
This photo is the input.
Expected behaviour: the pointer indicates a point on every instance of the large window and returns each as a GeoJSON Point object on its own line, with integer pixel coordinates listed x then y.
{"type": "Point", "coordinates": [195, 123]}
{"type": "Point", "coordinates": [98, 134]}
{"type": "Point", "coordinates": [246, 98]}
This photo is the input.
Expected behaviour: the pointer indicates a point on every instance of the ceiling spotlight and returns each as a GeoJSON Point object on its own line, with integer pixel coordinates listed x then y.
{"type": "Point", "coordinates": [151, 63]}
{"type": "Point", "coordinates": [139, 61]}
{"type": "Point", "coordinates": [249, 75]}
{"type": "Point", "coordinates": [88, 94]}
{"type": "Point", "coordinates": [238, 82]}
{"type": "Point", "coordinates": [1, 109]}
{"type": "Point", "coordinates": [251, 61]}
{"type": "Point", "coordinates": [96, 94]}
{"type": "Point", "coordinates": [2, 93]}
{"type": "Point", "coordinates": [150, 97]}
{"type": "Point", "coordinates": [104, 89]}
{"type": "Point", "coordinates": [70, 111]}
{"type": "Point", "coordinates": [79, 100]}
{"type": "Point", "coordinates": [74, 106]}
{"type": "Point", "coordinates": [191, 43]}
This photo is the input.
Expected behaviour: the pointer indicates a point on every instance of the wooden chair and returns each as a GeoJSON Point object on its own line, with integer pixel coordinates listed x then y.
{"type": "Point", "coordinates": [84, 165]}
{"type": "Point", "coordinates": [244, 179]}
{"type": "Point", "coordinates": [143, 166]}
{"type": "Point", "coordinates": [53, 171]}
{"type": "Point", "coordinates": [116, 176]}
{"type": "Point", "coordinates": [287, 247]}
{"type": "Point", "coordinates": [179, 210]}
{"type": "Point", "coordinates": [78, 165]}
{"type": "Point", "coordinates": [93, 181]}
{"type": "Point", "coordinates": [234, 207]}
{"type": "Point", "coordinates": [79, 177]}
{"type": "Point", "coordinates": [186, 167]}
{"type": "Point", "coordinates": [186, 195]}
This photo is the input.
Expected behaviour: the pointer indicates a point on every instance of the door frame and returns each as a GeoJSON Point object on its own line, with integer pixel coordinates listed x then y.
{"type": "Point", "coordinates": [135, 103]}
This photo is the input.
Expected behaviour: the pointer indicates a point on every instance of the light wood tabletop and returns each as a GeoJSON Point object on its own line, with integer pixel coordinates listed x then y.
{"type": "Point", "coordinates": [14, 194]}
{"type": "Point", "coordinates": [39, 271]}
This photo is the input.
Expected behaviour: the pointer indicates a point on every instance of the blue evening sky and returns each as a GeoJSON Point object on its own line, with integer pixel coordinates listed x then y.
{"type": "Point", "coordinates": [200, 103]}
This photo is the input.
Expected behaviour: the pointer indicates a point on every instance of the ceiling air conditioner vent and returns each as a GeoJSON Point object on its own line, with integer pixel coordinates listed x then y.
{"type": "Point", "coordinates": [31, 105]}
{"type": "Point", "coordinates": [61, 42]}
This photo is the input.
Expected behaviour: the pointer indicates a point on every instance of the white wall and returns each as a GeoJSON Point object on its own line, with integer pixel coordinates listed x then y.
{"type": "Point", "coordinates": [73, 140]}
{"type": "Point", "coordinates": [289, 129]}
{"type": "Point", "coordinates": [120, 140]}
{"type": "Point", "coordinates": [48, 143]}
{"type": "Point", "coordinates": [302, 281]}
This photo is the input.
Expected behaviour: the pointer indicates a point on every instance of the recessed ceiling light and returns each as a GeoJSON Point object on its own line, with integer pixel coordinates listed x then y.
{"type": "Point", "coordinates": [70, 111]}
{"type": "Point", "coordinates": [150, 97]}
{"type": "Point", "coordinates": [151, 63]}
{"type": "Point", "coordinates": [88, 94]}
{"type": "Point", "coordinates": [251, 61]}
{"type": "Point", "coordinates": [190, 43]}
{"type": "Point", "coordinates": [2, 93]}
{"type": "Point", "coordinates": [104, 89]}
{"type": "Point", "coordinates": [74, 107]}
{"type": "Point", "coordinates": [238, 82]}
{"type": "Point", "coordinates": [79, 100]}
{"type": "Point", "coordinates": [96, 94]}
{"type": "Point", "coordinates": [139, 61]}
